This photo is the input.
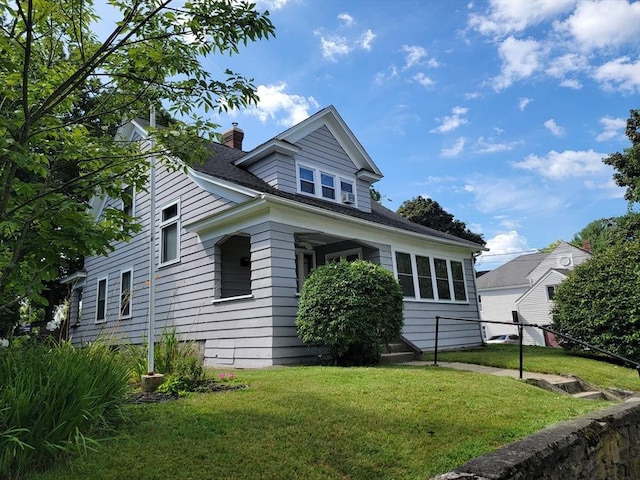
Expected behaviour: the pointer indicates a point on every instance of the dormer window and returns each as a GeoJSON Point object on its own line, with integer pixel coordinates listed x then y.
{"type": "Point", "coordinates": [326, 185]}
{"type": "Point", "coordinates": [307, 180]}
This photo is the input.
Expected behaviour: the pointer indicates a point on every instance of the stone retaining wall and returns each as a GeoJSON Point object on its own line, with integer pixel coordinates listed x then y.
{"type": "Point", "coordinates": [602, 445]}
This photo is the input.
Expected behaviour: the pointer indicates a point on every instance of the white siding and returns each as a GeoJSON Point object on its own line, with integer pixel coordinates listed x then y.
{"type": "Point", "coordinates": [563, 256]}
{"type": "Point", "coordinates": [535, 307]}
{"type": "Point", "coordinates": [497, 305]}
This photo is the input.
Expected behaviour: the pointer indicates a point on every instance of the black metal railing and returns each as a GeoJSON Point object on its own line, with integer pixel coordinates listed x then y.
{"type": "Point", "coordinates": [521, 326]}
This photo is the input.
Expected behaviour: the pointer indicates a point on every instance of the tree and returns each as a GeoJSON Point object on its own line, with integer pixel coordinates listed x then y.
{"type": "Point", "coordinates": [604, 233]}
{"type": "Point", "coordinates": [352, 309]}
{"type": "Point", "coordinates": [627, 163]}
{"type": "Point", "coordinates": [63, 94]}
{"type": "Point", "coordinates": [429, 213]}
{"type": "Point", "coordinates": [599, 302]}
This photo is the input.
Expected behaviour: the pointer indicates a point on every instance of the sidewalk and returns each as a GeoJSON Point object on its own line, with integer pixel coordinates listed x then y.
{"type": "Point", "coordinates": [501, 372]}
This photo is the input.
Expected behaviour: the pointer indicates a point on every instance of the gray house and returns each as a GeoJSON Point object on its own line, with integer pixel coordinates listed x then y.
{"type": "Point", "coordinates": [237, 236]}
{"type": "Point", "coordinates": [526, 285]}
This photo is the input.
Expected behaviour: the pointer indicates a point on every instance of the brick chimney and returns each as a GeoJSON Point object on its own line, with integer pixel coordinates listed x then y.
{"type": "Point", "coordinates": [586, 245]}
{"type": "Point", "coordinates": [233, 138]}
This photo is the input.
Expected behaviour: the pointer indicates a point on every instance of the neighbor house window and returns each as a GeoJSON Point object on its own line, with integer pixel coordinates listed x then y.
{"type": "Point", "coordinates": [551, 291]}
{"type": "Point", "coordinates": [429, 278]}
{"type": "Point", "coordinates": [170, 233]}
{"type": "Point", "coordinates": [101, 301]}
{"type": "Point", "coordinates": [126, 289]}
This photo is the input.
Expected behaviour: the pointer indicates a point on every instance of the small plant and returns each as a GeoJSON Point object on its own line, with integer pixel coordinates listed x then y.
{"type": "Point", "coordinates": [53, 398]}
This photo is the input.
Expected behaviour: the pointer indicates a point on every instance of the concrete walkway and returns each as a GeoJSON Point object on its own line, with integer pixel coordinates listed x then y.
{"type": "Point", "coordinates": [501, 372]}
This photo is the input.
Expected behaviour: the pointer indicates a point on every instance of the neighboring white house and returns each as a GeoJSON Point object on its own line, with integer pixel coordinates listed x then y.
{"type": "Point", "coordinates": [237, 236]}
{"type": "Point", "coordinates": [526, 285]}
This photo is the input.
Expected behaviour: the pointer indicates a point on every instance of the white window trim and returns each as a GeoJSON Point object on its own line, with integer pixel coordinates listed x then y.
{"type": "Point", "coordinates": [317, 181]}
{"type": "Point", "coordinates": [416, 285]}
{"type": "Point", "coordinates": [343, 253]}
{"type": "Point", "coordinates": [133, 201]}
{"type": "Point", "coordinates": [120, 306]}
{"type": "Point", "coordinates": [166, 223]}
{"type": "Point", "coordinates": [106, 299]}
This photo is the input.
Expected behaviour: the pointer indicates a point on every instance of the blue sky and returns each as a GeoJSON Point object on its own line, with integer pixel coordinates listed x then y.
{"type": "Point", "coordinates": [499, 110]}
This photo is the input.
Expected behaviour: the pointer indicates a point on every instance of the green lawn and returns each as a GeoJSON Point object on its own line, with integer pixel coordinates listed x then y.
{"type": "Point", "coordinates": [547, 360]}
{"type": "Point", "coordinates": [325, 423]}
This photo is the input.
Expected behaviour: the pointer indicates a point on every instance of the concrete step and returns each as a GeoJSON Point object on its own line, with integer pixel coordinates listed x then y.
{"type": "Point", "coordinates": [397, 347]}
{"type": "Point", "coordinates": [570, 386]}
{"type": "Point", "coordinates": [592, 395]}
{"type": "Point", "coordinates": [396, 357]}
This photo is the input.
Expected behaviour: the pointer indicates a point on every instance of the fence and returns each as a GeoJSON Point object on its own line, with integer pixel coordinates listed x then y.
{"type": "Point", "coordinates": [521, 327]}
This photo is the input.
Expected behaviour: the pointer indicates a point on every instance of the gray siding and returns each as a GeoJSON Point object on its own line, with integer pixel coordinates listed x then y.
{"type": "Point", "coordinates": [277, 170]}
{"type": "Point", "coordinates": [420, 320]}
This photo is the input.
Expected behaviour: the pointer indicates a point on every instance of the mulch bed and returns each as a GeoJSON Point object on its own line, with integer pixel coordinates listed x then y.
{"type": "Point", "coordinates": [206, 386]}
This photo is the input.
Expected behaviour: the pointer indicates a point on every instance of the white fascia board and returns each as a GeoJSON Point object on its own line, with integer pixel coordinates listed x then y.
{"type": "Point", "coordinates": [357, 224]}
{"type": "Point", "coordinates": [273, 146]}
{"type": "Point", "coordinates": [223, 188]}
{"type": "Point", "coordinates": [330, 118]}
{"type": "Point", "coordinates": [229, 220]}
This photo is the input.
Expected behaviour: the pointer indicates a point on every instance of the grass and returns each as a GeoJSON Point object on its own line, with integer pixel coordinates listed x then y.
{"type": "Point", "coordinates": [325, 423]}
{"type": "Point", "coordinates": [547, 360]}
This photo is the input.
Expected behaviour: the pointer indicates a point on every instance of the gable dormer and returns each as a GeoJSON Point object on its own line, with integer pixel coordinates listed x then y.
{"type": "Point", "coordinates": [319, 157]}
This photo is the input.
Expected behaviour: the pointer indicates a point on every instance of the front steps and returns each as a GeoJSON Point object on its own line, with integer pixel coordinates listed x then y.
{"type": "Point", "coordinates": [398, 351]}
{"type": "Point", "coordinates": [578, 388]}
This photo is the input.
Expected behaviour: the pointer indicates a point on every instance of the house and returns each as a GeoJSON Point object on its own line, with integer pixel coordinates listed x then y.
{"type": "Point", "coordinates": [237, 236]}
{"type": "Point", "coordinates": [526, 285]}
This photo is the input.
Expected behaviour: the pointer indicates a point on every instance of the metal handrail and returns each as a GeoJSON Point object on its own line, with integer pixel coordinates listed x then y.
{"type": "Point", "coordinates": [521, 326]}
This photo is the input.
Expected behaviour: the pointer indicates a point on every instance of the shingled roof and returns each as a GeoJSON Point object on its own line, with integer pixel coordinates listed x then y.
{"type": "Point", "coordinates": [220, 164]}
{"type": "Point", "coordinates": [513, 273]}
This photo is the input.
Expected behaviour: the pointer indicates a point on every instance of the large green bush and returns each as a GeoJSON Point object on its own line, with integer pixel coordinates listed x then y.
{"type": "Point", "coordinates": [352, 309]}
{"type": "Point", "coordinates": [600, 301]}
{"type": "Point", "coordinates": [52, 399]}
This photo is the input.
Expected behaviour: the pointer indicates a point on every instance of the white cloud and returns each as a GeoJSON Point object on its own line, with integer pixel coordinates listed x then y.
{"type": "Point", "coordinates": [414, 56]}
{"type": "Point", "coordinates": [380, 78]}
{"type": "Point", "coordinates": [488, 146]}
{"type": "Point", "coordinates": [608, 188]}
{"type": "Point", "coordinates": [571, 83]}
{"type": "Point", "coordinates": [271, 4]}
{"type": "Point", "coordinates": [612, 128]}
{"type": "Point", "coordinates": [503, 247]}
{"type": "Point", "coordinates": [621, 72]}
{"type": "Point", "coordinates": [507, 16]}
{"type": "Point", "coordinates": [523, 102]}
{"type": "Point", "coordinates": [520, 59]}
{"type": "Point", "coordinates": [346, 19]}
{"type": "Point", "coordinates": [452, 122]}
{"type": "Point", "coordinates": [554, 128]}
{"type": "Point", "coordinates": [456, 149]}
{"type": "Point", "coordinates": [561, 165]}
{"type": "Point", "coordinates": [366, 39]}
{"type": "Point", "coordinates": [500, 195]}
{"type": "Point", "coordinates": [333, 47]}
{"type": "Point", "coordinates": [275, 103]}
{"type": "Point", "coordinates": [423, 80]}
{"type": "Point", "coordinates": [604, 23]}
{"type": "Point", "coordinates": [568, 63]}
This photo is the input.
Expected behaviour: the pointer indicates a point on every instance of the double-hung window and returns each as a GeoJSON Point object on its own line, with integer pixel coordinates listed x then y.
{"type": "Point", "coordinates": [127, 201]}
{"type": "Point", "coordinates": [429, 278]}
{"type": "Point", "coordinates": [126, 290]}
{"type": "Point", "coordinates": [170, 233]}
{"type": "Point", "coordinates": [101, 301]}
{"type": "Point", "coordinates": [326, 185]}
{"type": "Point", "coordinates": [307, 180]}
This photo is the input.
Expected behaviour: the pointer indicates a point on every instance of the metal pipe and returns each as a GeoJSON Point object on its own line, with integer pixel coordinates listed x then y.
{"type": "Point", "coordinates": [435, 354]}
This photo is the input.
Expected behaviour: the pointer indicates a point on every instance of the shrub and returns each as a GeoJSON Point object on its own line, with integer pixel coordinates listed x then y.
{"type": "Point", "coordinates": [599, 302]}
{"type": "Point", "coordinates": [352, 309]}
{"type": "Point", "coordinates": [53, 398]}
